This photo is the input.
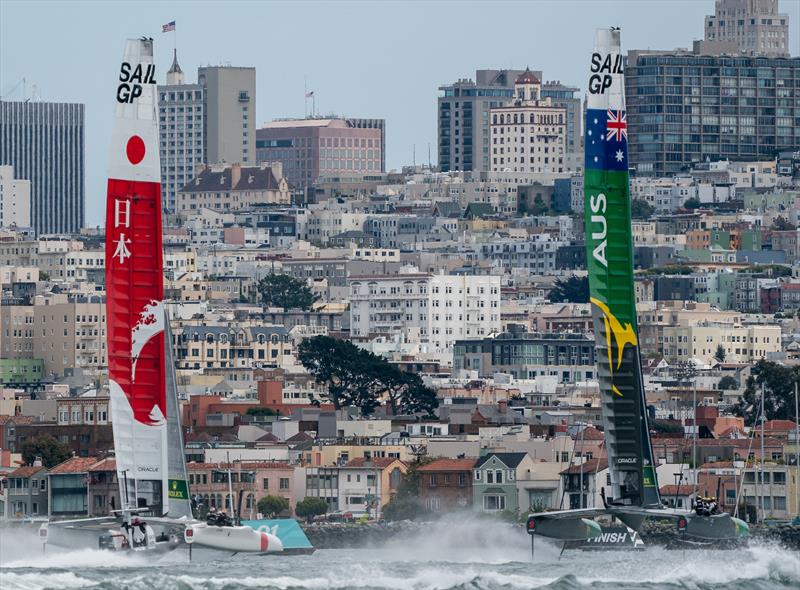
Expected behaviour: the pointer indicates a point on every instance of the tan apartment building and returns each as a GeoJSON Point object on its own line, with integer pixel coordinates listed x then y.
{"type": "Point", "coordinates": [207, 347]}
{"type": "Point", "coordinates": [529, 133]}
{"type": "Point", "coordinates": [70, 331]}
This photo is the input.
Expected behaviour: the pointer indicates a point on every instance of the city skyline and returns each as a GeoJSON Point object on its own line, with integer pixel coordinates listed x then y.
{"type": "Point", "coordinates": [365, 87]}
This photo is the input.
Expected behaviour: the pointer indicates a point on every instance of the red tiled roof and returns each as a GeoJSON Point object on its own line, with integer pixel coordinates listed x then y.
{"type": "Point", "coordinates": [588, 467]}
{"type": "Point", "coordinates": [590, 433]}
{"type": "Point", "coordinates": [25, 471]}
{"type": "Point", "coordinates": [108, 464]}
{"type": "Point", "coordinates": [381, 462]}
{"type": "Point", "coordinates": [449, 465]}
{"type": "Point", "coordinates": [74, 465]}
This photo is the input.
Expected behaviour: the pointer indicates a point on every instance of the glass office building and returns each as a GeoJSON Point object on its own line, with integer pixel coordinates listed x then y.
{"type": "Point", "coordinates": [684, 108]}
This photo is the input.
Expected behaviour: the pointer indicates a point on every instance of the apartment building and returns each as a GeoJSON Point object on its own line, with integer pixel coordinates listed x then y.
{"type": "Point", "coordinates": [211, 347]}
{"type": "Point", "coordinates": [15, 199]}
{"type": "Point", "coordinates": [438, 309]}
{"type": "Point", "coordinates": [742, 343]}
{"type": "Point", "coordinates": [233, 188]}
{"type": "Point", "coordinates": [529, 134]}
{"type": "Point", "coordinates": [754, 26]}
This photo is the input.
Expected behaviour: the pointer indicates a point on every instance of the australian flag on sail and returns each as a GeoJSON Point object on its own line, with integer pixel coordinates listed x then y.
{"type": "Point", "coordinates": [606, 140]}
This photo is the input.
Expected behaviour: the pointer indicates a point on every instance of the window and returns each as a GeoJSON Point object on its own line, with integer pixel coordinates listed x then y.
{"type": "Point", "coordinates": [497, 502]}
{"type": "Point", "coordinates": [498, 476]}
{"type": "Point", "coordinates": [266, 483]}
{"type": "Point", "coordinates": [490, 477]}
{"type": "Point", "coordinates": [477, 476]}
{"type": "Point", "coordinates": [284, 483]}
{"type": "Point", "coordinates": [462, 480]}
{"type": "Point", "coordinates": [433, 480]}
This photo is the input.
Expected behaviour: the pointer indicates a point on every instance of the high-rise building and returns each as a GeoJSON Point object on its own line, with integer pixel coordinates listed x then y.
{"type": "Point", "coordinates": [230, 113]}
{"type": "Point", "coordinates": [310, 148]}
{"type": "Point", "coordinates": [755, 26]}
{"type": "Point", "coordinates": [182, 133]}
{"type": "Point", "coordinates": [15, 199]}
{"type": "Point", "coordinates": [464, 140]}
{"type": "Point", "coordinates": [686, 107]}
{"type": "Point", "coordinates": [44, 142]}
{"type": "Point", "coordinates": [528, 133]}
{"type": "Point", "coordinates": [209, 122]}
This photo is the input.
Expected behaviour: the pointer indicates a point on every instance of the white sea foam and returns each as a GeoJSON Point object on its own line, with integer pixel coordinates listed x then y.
{"type": "Point", "coordinates": [38, 581]}
{"type": "Point", "coordinates": [82, 558]}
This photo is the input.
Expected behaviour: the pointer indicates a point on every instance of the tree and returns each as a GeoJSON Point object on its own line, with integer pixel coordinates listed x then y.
{"type": "Point", "coordinates": [272, 506]}
{"type": "Point", "coordinates": [48, 449]}
{"type": "Point", "coordinates": [405, 504]}
{"type": "Point", "coordinates": [573, 290]}
{"type": "Point", "coordinates": [692, 203]}
{"type": "Point", "coordinates": [780, 223]}
{"type": "Point", "coordinates": [539, 207]}
{"type": "Point", "coordinates": [310, 507]}
{"type": "Point", "coordinates": [286, 292]}
{"type": "Point", "coordinates": [720, 353]}
{"type": "Point", "coordinates": [331, 362]}
{"type": "Point", "coordinates": [641, 209]}
{"type": "Point", "coordinates": [727, 382]}
{"type": "Point", "coordinates": [778, 382]}
{"type": "Point", "coordinates": [359, 378]}
{"type": "Point", "coordinates": [407, 394]}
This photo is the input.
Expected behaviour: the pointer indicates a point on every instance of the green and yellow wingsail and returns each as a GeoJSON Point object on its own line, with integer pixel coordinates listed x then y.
{"type": "Point", "coordinates": [610, 265]}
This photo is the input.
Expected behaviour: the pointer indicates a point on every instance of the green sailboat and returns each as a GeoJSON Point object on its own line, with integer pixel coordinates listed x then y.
{"type": "Point", "coordinates": [634, 493]}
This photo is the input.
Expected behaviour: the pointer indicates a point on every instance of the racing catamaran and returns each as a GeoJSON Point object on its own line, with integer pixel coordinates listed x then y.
{"type": "Point", "coordinates": [150, 462]}
{"type": "Point", "coordinates": [609, 251]}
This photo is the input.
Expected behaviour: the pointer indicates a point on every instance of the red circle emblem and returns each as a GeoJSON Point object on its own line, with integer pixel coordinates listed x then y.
{"type": "Point", "coordinates": [135, 149]}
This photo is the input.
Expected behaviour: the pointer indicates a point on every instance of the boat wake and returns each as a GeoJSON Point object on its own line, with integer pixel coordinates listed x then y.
{"type": "Point", "coordinates": [449, 555]}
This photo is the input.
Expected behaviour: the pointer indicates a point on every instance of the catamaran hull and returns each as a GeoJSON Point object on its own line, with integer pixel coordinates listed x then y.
{"type": "Point", "coordinates": [233, 538]}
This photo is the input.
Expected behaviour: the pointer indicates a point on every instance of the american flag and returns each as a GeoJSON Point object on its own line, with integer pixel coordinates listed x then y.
{"type": "Point", "coordinates": [170, 26]}
{"type": "Point", "coordinates": [606, 139]}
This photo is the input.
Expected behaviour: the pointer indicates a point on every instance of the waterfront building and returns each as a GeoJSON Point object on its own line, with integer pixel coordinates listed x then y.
{"type": "Point", "coordinates": [27, 492]}
{"type": "Point", "coordinates": [446, 484]}
{"type": "Point", "coordinates": [44, 142]}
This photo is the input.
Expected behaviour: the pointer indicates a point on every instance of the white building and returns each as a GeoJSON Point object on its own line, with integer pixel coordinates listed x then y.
{"type": "Point", "coordinates": [438, 309]}
{"type": "Point", "coordinates": [15, 199]}
{"type": "Point", "coordinates": [529, 134]}
{"type": "Point", "coordinates": [182, 133]}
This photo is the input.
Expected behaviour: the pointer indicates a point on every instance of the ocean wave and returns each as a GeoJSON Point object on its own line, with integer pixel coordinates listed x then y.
{"type": "Point", "coordinates": [42, 581]}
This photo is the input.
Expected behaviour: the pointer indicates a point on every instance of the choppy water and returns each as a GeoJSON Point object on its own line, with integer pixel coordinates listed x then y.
{"type": "Point", "coordinates": [446, 556]}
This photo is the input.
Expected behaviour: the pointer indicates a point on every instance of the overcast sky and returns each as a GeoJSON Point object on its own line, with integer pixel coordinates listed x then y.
{"type": "Point", "coordinates": [364, 59]}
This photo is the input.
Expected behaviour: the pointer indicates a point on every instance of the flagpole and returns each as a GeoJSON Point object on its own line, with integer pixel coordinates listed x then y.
{"type": "Point", "coordinates": [305, 96]}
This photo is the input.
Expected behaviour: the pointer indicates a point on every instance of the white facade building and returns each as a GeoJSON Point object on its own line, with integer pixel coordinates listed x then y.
{"type": "Point", "coordinates": [438, 309]}
{"type": "Point", "coordinates": [529, 134]}
{"type": "Point", "coordinates": [15, 199]}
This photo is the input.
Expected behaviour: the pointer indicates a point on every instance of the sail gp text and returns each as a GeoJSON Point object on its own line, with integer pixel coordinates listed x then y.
{"type": "Point", "coordinates": [132, 79]}
{"type": "Point", "coordinates": [602, 70]}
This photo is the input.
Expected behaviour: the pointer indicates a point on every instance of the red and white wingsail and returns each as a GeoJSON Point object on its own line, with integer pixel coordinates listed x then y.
{"type": "Point", "coordinates": [134, 284]}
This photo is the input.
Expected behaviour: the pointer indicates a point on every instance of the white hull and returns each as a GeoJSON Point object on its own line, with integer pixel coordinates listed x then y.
{"type": "Point", "coordinates": [232, 538]}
